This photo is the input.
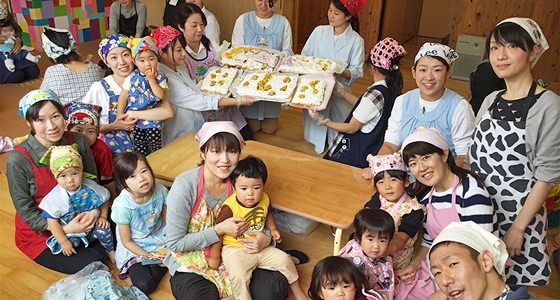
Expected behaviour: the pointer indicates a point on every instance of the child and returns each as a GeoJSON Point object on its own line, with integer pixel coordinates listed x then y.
{"type": "Point", "coordinates": [23, 60]}
{"type": "Point", "coordinates": [368, 249]}
{"type": "Point", "coordinates": [84, 118]}
{"type": "Point", "coordinates": [139, 212]}
{"type": "Point", "coordinates": [391, 181]}
{"type": "Point", "coordinates": [144, 89]}
{"type": "Point", "coordinates": [72, 196]}
{"type": "Point", "coordinates": [250, 202]}
{"type": "Point", "coordinates": [336, 278]}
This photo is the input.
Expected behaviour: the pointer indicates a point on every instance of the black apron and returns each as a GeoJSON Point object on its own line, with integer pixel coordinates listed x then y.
{"type": "Point", "coordinates": [127, 26]}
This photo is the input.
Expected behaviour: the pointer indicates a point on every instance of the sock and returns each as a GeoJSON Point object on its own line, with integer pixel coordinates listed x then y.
{"type": "Point", "coordinates": [10, 64]}
{"type": "Point", "coordinates": [33, 58]}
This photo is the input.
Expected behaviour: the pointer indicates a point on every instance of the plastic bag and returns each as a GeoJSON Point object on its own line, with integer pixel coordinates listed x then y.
{"type": "Point", "coordinates": [288, 222]}
{"type": "Point", "coordinates": [92, 282]}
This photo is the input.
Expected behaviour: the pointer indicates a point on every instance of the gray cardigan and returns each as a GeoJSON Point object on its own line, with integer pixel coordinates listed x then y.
{"type": "Point", "coordinates": [127, 12]}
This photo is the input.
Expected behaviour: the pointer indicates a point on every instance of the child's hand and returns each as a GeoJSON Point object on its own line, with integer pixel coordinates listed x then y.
{"type": "Point", "coordinates": [213, 263]}
{"type": "Point", "coordinates": [407, 274]}
{"type": "Point", "coordinates": [102, 222]}
{"type": "Point", "coordinates": [276, 235]}
{"type": "Point", "coordinates": [67, 248]}
{"type": "Point", "coordinates": [151, 73]}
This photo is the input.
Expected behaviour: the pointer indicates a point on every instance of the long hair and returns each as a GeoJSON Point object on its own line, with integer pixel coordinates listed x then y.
{"type": "Point", "coordinates": [222, 141]}
{"type": "Point", "coordinates": [184, 11]}
{"type": "Point", "coordinates": [393, 78]}
{"type": "Point", "coordinates": [180, 39]}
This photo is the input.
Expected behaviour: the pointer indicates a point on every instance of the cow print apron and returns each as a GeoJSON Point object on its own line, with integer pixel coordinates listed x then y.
{"type": "Point", "coordinates": [498, 156]}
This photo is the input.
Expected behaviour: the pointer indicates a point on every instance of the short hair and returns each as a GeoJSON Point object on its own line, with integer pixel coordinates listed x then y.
{"type": "Point", "coordinates": [510, 33]}
{"type": "Point", "coordinates": [250, 167]}
{"type": "Point", "coordinates": [334, 270]}
{"type": "Point", "coordinates": [445, 63]}
{"type": "Point", "coordinates": [222, 140]}
{"type": "Point", "coordinates": [373, 220]}
{"type": "Point", "coordinates": [402, 175]}
{"type": "Point", "coordinates": [125, 164]}
{"type": "Point", "coordinates": [32, 113]}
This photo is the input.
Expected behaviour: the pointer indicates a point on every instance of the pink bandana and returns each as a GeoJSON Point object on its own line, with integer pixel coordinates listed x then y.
{"type": "Point", "coordinates": [383, 53]}
{"type": "Point", "coordinates": [380, 163]}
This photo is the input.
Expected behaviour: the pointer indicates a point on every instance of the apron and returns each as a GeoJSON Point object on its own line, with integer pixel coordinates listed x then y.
{"type": "Point", "coordinates": [510, 192]}
{"type": "Point", "coordinates": [422, 287]}
{"type": "Point", "coordinates": [29, 241]}
{"type": "Point", "coordinates": [127, 26]}
{"type": "Point", "coordinates": [194, 261]}
{"type": "Point", "coordinates": [119, 141]}
{"type": "Point", "coordinates": [437, 219]}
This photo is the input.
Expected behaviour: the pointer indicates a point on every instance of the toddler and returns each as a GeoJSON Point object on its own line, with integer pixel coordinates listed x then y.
{"type": "Point", "coordinates": [84, 118]}
{"type": "Point", "coordinates": [71, 196]}
{"type": "Point", "coordinates": [368, 249]}
{"type": "Point", "coordinates": [7, 41]}
{"type": "Point", "coordinates": [139, 212]}
{"type": "Point", "coordinates": [336, 278]}
{"type": "Point", "coordinates": [144, 89]}
{"type": "Point", "coordinates": [250, 202]}
{"type": "Point", "coordinates": [391, 181]}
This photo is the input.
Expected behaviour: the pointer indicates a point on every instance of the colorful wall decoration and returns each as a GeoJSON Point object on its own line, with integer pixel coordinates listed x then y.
{"type": "Point", "coordinates": [84, 18]}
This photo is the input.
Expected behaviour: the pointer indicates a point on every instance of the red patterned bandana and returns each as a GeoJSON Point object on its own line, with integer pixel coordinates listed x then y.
{"type": "Point", "coordinates": [353, 6]}
{"type": "Point", "coordinates": [164, 35]}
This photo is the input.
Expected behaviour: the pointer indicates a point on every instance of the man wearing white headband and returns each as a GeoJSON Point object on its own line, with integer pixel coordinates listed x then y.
{"type": "Point", "coordinates": [468, 262]}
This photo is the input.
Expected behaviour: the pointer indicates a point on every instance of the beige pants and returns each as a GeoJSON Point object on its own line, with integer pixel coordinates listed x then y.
{"type": "Point", "coordinates": [240, 266]}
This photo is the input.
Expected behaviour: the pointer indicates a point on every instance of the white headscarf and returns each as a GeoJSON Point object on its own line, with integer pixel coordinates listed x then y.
{"type": "Point", "coordinates": [53, 50]}
{"type": "Point", "coordinates": [439, 50]}
{"type": "Point", "coordinates": [534, 32]}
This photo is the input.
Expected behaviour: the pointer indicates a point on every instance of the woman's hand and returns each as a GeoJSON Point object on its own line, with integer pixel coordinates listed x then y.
{"type": "Point", "coordinates": [83, 222]}
{"type": "Point", "coordinates": [514, 241]}
{"type": "Point", "coordinates": [256, 243]}
{"type": "Point", "coordinates": [245, 100]}
{"type": "Point", "coordinates": [317, 117]}
{"type": "Point", "coordinates": [234, 226]}
{"type": "Point", "coordinates": [125, 122]}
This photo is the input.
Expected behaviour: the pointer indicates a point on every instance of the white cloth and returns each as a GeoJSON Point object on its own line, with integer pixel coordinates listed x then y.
{"type": "Point", "coordinates": [186, 102]}
{"type": "Point", "coordinates": [238, 33]}
{"type": "Point", "coordinates": [534, 32]}
{"type": "Point", "coordinates": [57, 202]}
{"type": "Point", "coordinates": [461, 129]}
{"type": "Point", "coordinates": [98, 96]}
{"type": "Point", "coordinates": [367, 112]}
{"type": "Point", "coordinates": [212, 29]}
{"type": "Point", "coordinates": [471, 234]}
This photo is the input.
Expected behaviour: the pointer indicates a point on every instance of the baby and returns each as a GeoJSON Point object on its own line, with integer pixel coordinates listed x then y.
{"type": "Point", "coordinates": [7, 41]}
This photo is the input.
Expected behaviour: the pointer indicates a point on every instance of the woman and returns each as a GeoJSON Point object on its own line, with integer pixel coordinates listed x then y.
{"type": "Point", "coordinates": [455, 194]}
{"type": "Point", "coordinates": [516, 150]}
{"type": "Point", "coordinates": [29, 181]}
{"type": "Point", "coordinates": [431, 105]}
{"type": "Point", "coordinates": [128, 17]}
{"type": "Point", "coordinates": [105, 93]}
{"type": "Point", "coordinates": [69, 69]}
{"type": "Point", "coordinates": [193, 204]}
{"type": "Point", "coordinates": [267, 29]}
{"type": "Point", "coordinates": [362, 132]}
{"type": "Point", "coordinates": [339, 40]}
{"type": "Point", "coordinates": [188, 104]}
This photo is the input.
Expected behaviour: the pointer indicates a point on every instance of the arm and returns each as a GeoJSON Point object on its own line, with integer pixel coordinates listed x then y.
{"type": "Point", "coordinates": [128, 243]}
{"type": "Point", "coordinates": [157, 87]}
{"type": "Point", "coordinates": [348, 128]}
{"type": "Point", "coordinates": [355, 67]}
{"type": "Point", "coordinates": [123, 101]}
{"type": "Point", "coordinates": [114, 17]}
{"type": "Point", "coordinates": [237, 34]}
{"type": "Point", "coordinates": [103, 221]}
{"type": "Point", "coordinates": [287, 38]}
{"type": "Point", "coordinates": [397, 242]}
{"type": "Point", "coordinates": [408, 273]}
{"type": "Point", "coordinates": [215, 258]}
{"type": "Point", "coordinates": [347, 96]}
{"type": "Point", "coordinates": [461, 130]}
{"type": "Point", "coordinates": [141, 24]}
{"type": "Point", "coordinates": [271, 225]}
{"type": "Point", "coordinates": [58, 233]}
{"type": "Point", "coordinates": [160, 113]}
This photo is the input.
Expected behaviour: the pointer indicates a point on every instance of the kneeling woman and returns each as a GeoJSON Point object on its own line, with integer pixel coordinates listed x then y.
{"type": "Point", "coordinates": [362, 131]}
{"type": "Point", "coordinates": [193, 204]}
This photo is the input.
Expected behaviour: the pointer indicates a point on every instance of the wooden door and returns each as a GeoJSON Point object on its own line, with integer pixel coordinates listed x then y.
{"type": "Point", "coordinates": [401, 19]}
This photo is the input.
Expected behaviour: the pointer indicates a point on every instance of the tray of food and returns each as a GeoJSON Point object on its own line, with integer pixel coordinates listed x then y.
{"type": "Point", "coordinates": [267, 86]}
{"type": "Point", "coordinates": [313, 91]}
{"type": "Point", "coordinates": [250, 58]}
{"type": "Point", "coordinates": [301, 64]}
{"type": "Point", "coordinates": [218, 81]}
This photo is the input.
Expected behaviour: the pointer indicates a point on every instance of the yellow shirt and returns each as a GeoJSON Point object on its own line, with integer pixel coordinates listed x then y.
{"type": "Point", "coordinates": [255, 215]}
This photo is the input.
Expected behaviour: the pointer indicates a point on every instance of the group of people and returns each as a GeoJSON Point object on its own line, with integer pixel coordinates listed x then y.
{"type": "Point", "coordinates": [473, 188]}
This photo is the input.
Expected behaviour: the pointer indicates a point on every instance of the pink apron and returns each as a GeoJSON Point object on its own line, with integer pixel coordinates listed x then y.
{"type": "Point", "coordinates": [437, 219]}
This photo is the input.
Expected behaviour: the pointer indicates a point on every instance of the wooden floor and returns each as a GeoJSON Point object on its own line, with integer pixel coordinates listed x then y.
{"type": "Point", "coordinates": [21, 278]}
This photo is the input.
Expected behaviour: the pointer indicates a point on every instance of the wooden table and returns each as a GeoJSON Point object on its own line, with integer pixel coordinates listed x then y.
{"type": "Point", "coordinates": [311, 187]}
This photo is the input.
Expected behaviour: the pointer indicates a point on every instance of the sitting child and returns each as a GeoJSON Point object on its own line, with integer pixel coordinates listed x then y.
{"type": "Point", "coordinates": [72, 196]}
{"type": "Point", "coordinates": [139, 212]}
{"type": "Point", "coordinates": [391, 181]}
{"type": "Point", "coordinates": [12, 60]}
{"type": "Point", "coordinates": [84, 118]}
{"type": "Point", "coordinates": [144, 89]}
{"type": "Point", "coordinates": [250, 202]}
{"type": "Point", "coordinates": [368, 249]}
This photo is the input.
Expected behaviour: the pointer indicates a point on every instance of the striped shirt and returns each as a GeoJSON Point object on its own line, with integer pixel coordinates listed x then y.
{"type": "Point", "coordinates": [473, 203]}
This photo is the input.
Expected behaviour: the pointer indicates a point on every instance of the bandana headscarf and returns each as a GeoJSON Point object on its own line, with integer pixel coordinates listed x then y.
{"type": "Point", "coordinates": [109, 43]}
{"type": "Point", "coordinates": [353, 6]}
{"type": "Point", "coordinates": [136, 45]}
{"type": "Point", "coordinates": [209, 129]}
{"type": "Point", "coordinates": [471, 234]}
{"type": "Point", "coordinates": [53, 50]}
{"type": "Point", "coordinates": [164, 35]}
{"type": "Point", "coordinates": [34, 97]}
{"type": "Point", "coordinates": [80, 113]}
{"type": "Point", "coordinates": [3, 10]}
{"type": "Point", "coordinates": [60, 158]}
{"type": "Point", "coordinates": [439, 50]}
{"type": "Point", "coordinates": [428, 135]}
{"type": "Point", "coordinates": [380, 163]}
{"type": "Point", "coordinates": [383, 53]}
{"type": "Point", "coordinates": [534, 32]}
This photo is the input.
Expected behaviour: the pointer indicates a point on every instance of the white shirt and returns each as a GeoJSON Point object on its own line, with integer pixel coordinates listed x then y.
{"type": "Point", "coordinates": [98, 96]}
{"type": "Point", "coordinates": [367, 112]}
{"type": "Point", "coordinates": [212, 29]}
